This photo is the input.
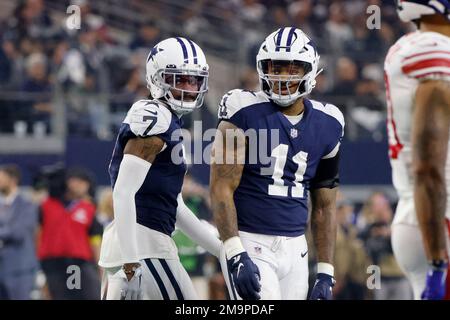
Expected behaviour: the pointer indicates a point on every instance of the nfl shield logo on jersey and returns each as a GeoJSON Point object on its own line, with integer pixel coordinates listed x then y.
{"type": "Point", "coordinates": [294, 133]}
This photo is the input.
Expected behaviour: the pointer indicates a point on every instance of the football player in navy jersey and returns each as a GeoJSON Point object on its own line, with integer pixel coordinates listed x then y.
{"type": "Point", "coordinates": [138, 254]}
{"type": "Point", "coordinates": [261, 209]}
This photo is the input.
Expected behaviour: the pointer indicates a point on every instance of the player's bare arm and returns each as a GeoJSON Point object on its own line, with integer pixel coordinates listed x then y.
{"type": "Point", "coordinates": [225, 177]}
{"type": "Point", "coordinates": [145, 148]}
{"type": "Point", "coordinates": [227, 165]}
{"type": "Point", "coordinates": [323, 223]}
{"type": "Point", "coordinates": [430, 136]}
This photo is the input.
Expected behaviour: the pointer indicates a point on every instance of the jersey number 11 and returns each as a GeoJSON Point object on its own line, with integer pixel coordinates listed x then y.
{"type": "Point", "coordinates": [278, 188]}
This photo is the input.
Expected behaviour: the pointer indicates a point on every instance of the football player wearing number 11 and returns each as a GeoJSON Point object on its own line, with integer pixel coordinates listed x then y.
{"type": "Point", "coordinates": [261, 210]}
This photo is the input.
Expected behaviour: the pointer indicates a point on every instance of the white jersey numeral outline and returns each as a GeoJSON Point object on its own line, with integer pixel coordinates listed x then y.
{"type": "Point", "coordinates": [278, 188]}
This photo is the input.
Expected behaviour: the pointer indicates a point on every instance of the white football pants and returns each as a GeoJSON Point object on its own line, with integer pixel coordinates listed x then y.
{"type": "Point", "coordinates": [282, 263]}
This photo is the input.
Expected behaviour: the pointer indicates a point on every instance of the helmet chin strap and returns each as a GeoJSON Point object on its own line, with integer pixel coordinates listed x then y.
{"type": "Point", "coordinates": [285, 100]}
{"type": "Point", "coordinates": [181, 107]}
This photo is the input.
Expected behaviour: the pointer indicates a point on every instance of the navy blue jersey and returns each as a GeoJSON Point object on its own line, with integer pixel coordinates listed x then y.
{"type": "Point", "coordinates": [272, 197]}
{"type": "Point", "coordinates": [156, 200]}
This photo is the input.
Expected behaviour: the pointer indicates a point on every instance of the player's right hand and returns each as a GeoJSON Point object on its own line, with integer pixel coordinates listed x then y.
{"type": "Point", "coordinates": [245, 276]}
{"type": "Point", "coordinates": [130, 289]}
{"type": "Point", "coordinates": [435, 284]}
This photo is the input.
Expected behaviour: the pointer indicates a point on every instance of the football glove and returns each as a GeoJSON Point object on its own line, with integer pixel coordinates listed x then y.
{"type": "Point", "coordinates": [245, 276]}
{"type": "Point", "coordinates": [323, 287]}
{"type": "Point", "coordinates": [129, 289]}
{"type": "Point", "coordinates": [435, 283]}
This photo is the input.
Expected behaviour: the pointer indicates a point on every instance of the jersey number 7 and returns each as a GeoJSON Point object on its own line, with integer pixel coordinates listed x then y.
{"type": "Point", "coordinates": [153, 120]}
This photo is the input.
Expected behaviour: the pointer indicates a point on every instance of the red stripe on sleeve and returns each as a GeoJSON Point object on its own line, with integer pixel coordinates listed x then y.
{"type": "Point", "coordinates": [424, 64]}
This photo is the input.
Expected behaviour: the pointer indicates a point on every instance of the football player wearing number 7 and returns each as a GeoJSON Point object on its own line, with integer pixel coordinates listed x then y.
{"type": "Point", "coordinates": [261, 210]}
{"type": "Point", "coordinates": [138, 254]}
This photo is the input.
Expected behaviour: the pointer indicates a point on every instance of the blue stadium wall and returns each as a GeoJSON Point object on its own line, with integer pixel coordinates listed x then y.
{"type": "Point", "coordinates": [362, 163]}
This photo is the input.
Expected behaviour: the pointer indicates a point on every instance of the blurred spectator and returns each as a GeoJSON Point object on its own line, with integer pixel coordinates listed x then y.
{"type": "Point", "coordinates": [279, 16]}
{"type": "Point", "coordinates": [322, 88]}
{"type": "Point", "coordinates": [148, 36]}
{"type": "Point", "coordinates": [249, 80]}
{"type": "Point", "coordinates": [339, 31]}
{"type": "Point", "coordinates": [377, 241]}
{"type": "Point", "coordinates": [7, 52]}
{"type": "Point", "coordinates": [70, 235]}
{"type": "Point", "coordinates": [105, 213]}
{"type": "Point", "coordinates": [194, 23]}
{"type": "Point", "coordinates": [365, 45]}
{"type": "Point", "coordinates": [301, 12]}
{"type": "Point", "coordinates": [93, 21]}
{"type": "Point", "coordinates": [38, 108]}
{"type": "Point", "coordinates": [30, 19]}
{"type": "Point", "coordinates": [134, 87]}
{"type": "Point", "coordinates": [346, 77]}
{"type": "Point", "coordinates": [11, 77]}
{"type": "Point", "coordinates": [351, 261]}
{"type": "Point", "coordinates": [252, 11]}
{"type": "Point", "coordinates": [368, 111]}
{"type": "Point", "coordinates": [18, 222]}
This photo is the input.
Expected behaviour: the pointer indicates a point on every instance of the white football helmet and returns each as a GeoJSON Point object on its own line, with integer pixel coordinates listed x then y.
{"type": "Point", "coordinates": [174, 60]}
{"type": "Point", "coordinates": [295, 49]}
{"type": "Point", "coordinates": [410, 10]}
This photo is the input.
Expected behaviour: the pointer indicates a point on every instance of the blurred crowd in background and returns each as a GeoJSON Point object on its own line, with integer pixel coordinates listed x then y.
{"type": "Point", "coordinates": [99, 70]}
{"type": "Point", "coordinates": [89, 78]}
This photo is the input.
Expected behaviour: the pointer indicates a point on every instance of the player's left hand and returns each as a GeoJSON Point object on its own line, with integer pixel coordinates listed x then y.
{"type": "Point", "coordinates": [435, 284]}
{"type": "Point", "coordinates": [246, 276]}
{"type": "Point", "coordinates": [130, 289]}
{"type": "Point", "coordinates": [323, 287]}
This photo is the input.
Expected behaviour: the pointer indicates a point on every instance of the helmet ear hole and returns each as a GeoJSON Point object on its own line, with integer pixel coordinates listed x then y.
{"type": "Point", "coordinates": [307, 67]}
{"type": "Point", "coordinates": [265, 86]}
{"type": "Point", "coordinates": [302, 86]}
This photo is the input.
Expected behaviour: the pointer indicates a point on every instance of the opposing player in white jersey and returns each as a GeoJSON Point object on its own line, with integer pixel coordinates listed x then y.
{"type": "Point", "coordinates": [147, 171]}
{"type": "Point", "coordinates": [417, 75]}
{"type": "Point", "coordinates": [261, 208]}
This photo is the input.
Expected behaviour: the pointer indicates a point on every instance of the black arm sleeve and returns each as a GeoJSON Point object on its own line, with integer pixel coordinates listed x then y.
{"type": "Point", "coordinates": [327, 174]}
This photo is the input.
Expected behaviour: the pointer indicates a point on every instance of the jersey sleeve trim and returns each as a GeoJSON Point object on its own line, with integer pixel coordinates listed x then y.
{"type": "Point", "coordinates": [330, 110]}
{"type": "Point", "coordinates": [333, 152]}
{"type": "Point", "coordinates": [235, 100]}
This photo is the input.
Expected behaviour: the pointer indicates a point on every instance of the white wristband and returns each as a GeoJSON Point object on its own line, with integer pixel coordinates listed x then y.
{"type": "Point", "coordinates": [323, 267]}
{"type": "Point", "coordinates": [233, 246]}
